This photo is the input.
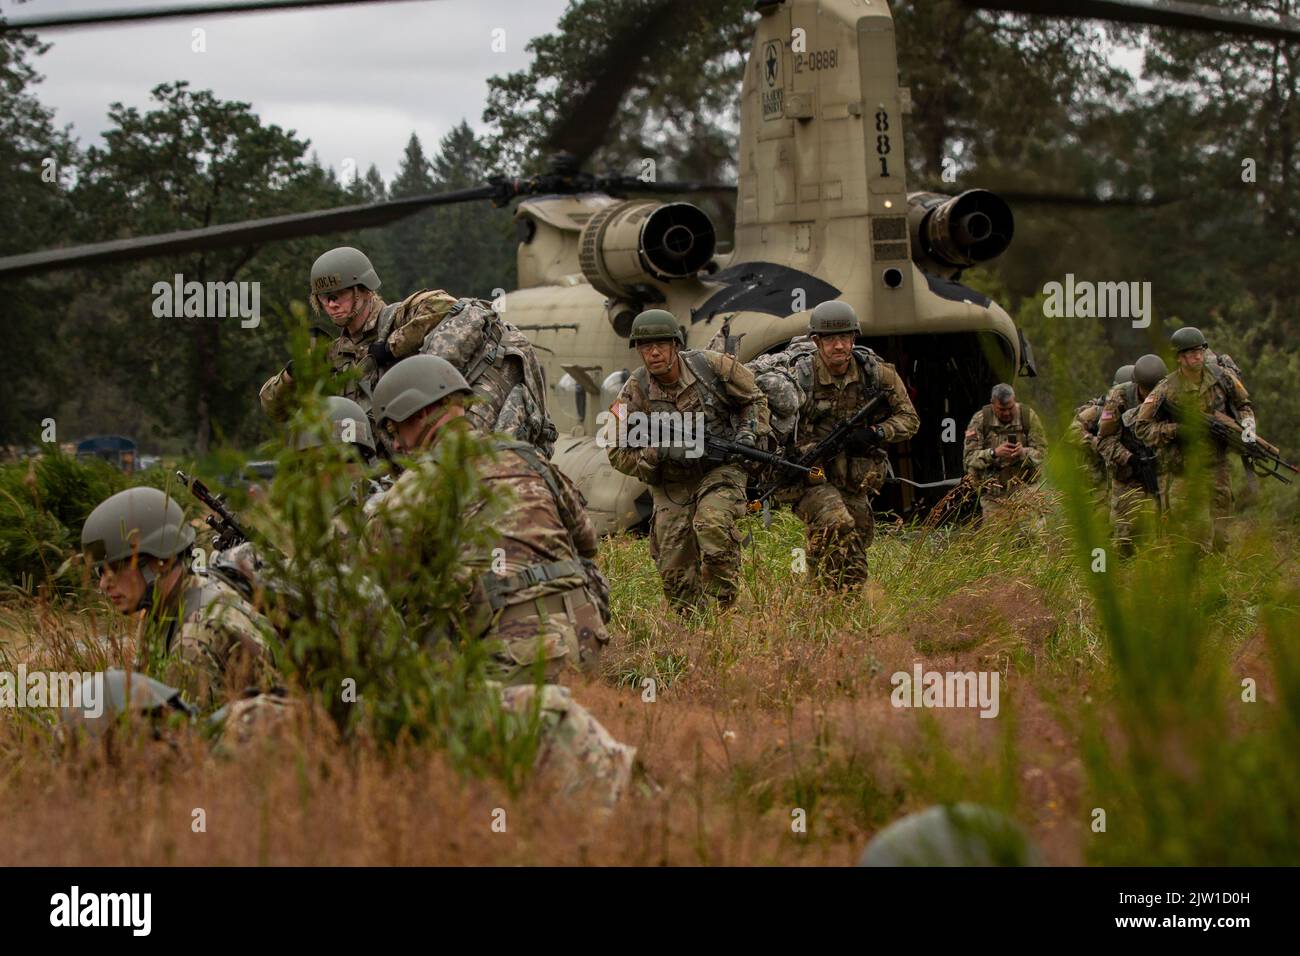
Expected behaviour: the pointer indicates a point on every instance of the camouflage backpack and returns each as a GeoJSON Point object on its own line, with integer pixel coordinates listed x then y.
{"type": "Point", "coordinates": [524, 416]}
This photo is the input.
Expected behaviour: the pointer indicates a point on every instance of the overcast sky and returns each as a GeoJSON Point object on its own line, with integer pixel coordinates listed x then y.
{"type": "Point", "coordinates": [355, 80]}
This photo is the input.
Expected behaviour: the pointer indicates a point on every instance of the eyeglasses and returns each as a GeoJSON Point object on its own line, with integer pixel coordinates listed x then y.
{"type": "Point", "coordinates": [112, 568]}
{"type": "Point", "coordinates": [332, 297]}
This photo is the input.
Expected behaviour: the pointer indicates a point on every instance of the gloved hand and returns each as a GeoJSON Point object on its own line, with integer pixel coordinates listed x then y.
{"type": "Point", "coordinates": [746, 438]}
{"type": "Point", "coordinates": [865, 438]}
{"type": "Point", "coordinates": [675, 453]}
{"type": "Point", "coordinates": [381, 353]}
{"type": "Point", "coordinates": [1169, 431]}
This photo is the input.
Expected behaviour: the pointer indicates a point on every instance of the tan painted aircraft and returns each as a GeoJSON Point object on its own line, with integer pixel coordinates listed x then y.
{"type": "Point", "coordinates": [823, 213]}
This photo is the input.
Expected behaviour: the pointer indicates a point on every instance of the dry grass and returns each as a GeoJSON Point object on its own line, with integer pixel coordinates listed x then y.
{"type": "Point", "coordinates": [781, 704]}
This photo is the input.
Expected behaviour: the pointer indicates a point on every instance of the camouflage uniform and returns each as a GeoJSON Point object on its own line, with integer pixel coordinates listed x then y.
{"type": "Point", "coordinates": [575, 751]}
{"type": "Point", "coordinates": [1219, 390]}
{"type": "Point", "coordinates": [408, 322]}
{"type": "Point", "coordinates": [540, 604]}
{"type": "Point", "coordinates": [998, 484]}
{"type": "Point", "coordinates": [495, 357]}
{"type": "Point", "coordinates": [838, 512]}
{"type": "Point", "coordinates": [1128, 496]}
{"type": "Point", "coordinates": [212, 638]}
{"type": "Point", "coordinates": [697, 502]}
{"type": "Point", "coordinates": [1083, 430]}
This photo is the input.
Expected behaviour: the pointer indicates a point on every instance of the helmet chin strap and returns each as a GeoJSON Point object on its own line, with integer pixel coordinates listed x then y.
{"type": "Point", "coordinates": [151, 576]}
{"type": "Point", "coordinates": [361, 299]}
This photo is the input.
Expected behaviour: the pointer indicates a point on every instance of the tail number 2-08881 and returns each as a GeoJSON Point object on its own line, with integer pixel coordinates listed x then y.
{"type": "Point", "coordinates": [817, 60]}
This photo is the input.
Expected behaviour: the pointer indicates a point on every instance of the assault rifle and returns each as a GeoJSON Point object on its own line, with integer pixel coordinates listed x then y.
{"type": "Point", "coordinates": [826, 448]}
{"type": "Point", "coordinates": [222, 520]}
{"type": "Point", "coordinates": [1261, 457]}
{"type": "Point", "coordinates": [721, 450]}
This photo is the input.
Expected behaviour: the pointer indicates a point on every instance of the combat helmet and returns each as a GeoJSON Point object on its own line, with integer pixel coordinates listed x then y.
{"type": "Point", "coordinates": [342, 268]}
{"type": "Point", "coordinates": [138, 521]}
{"type": "Point", "coordinates": [830, 318]}
{"type": "Point", "coordinates": [1123, 375]}
{"type": "Point", "coordinates": [963, 834]}
{"type": "Point", "coordinates": [118, 692]}
{"type": "Point", "coordinates": [654, 325]}
{"type": "Point", "coordinates": [415, 383]}
{"type": "Point", "coordinates": [349, 423]}
{"type": "Point", "coordinates": [1149, 370]}
{"type": "Point", "coordinates": [1188, 337]}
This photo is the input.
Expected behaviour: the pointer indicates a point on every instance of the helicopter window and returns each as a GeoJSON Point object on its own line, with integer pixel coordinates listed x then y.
{"type": "Point", "coordinates": [572, 397]}
{"type": "Point", "coordinates": [525, 228]}
{"type": "Point", "coordinates": [612, 385]}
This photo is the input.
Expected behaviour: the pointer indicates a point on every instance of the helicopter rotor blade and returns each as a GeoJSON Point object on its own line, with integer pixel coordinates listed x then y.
{"type": "Point", "coordinates": [167, 11]}
{"type": "Point", "coordinates": [252, 231]}
{"type": "Point", "coordinates": [585, 124]}
{"type": "Point", "coordinates": [1156, 13]}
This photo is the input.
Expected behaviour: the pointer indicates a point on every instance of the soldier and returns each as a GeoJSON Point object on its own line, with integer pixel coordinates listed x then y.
{"type": "Point", "coordinates": [349, 426]}
{"type": "Point", "coordinates": [697, 500]}
{"type": "Point", "coordinates": [1083, 428]}
{"type": "Point", "coordinates": [831, 382]}
{"type": "Point", "coordinates": [495, 356]}
{"type": "Point", "coordinates": [1129, 463]}
{"type": "Point", "coordinates": [208, 637]}
{"type": "Point", "coordinates": [1005, 447]}
{"type": "Point", "coordinates": [537, 604]}
{"type": "Point", "coordinates": [344, 286]}
{"type": "Point", "coordinates": [1193, 388]}
{"type": "Point", "coordinates": [1251, 490]}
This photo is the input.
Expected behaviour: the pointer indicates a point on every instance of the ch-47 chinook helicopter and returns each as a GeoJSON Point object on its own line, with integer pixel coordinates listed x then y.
{"type": "Point", "coordinates": [822, 212]}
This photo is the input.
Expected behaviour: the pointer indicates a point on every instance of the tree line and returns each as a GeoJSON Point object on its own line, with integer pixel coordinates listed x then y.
{"type": "Point", "coordinates": [1204, 134]}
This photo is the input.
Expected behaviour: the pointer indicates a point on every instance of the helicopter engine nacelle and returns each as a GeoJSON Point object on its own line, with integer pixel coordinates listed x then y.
{"type": "Point", "coordinates": [953, 232]}
{"type": "Point", "coordinates": [628, 247]}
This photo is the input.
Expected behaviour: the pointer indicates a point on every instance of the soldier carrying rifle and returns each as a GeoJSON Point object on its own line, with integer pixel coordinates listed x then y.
{"type": "Point", "coordinates": [1195, 391]}
{"type": "Point", "coordinates": [838, 404]}
{"type": "Point", "coordinates": [697, 498]}
{"type": "Point", "coordinates": [1132, 465]}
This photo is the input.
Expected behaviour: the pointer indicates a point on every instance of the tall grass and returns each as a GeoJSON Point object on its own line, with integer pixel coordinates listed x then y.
{"type": "Point", "coordinates": [1121, 691]}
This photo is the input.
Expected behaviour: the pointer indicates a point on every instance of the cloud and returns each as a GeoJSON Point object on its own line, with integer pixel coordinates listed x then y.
{"type": "Point", "coordinates": [355, 80]}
